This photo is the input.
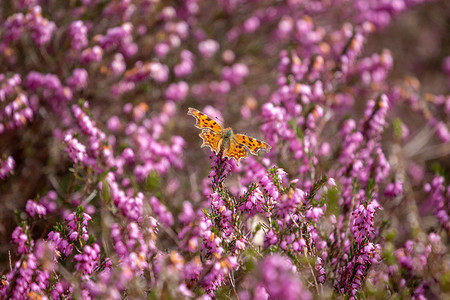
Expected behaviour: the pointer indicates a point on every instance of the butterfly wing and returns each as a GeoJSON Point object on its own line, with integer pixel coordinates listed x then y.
{"type": "Point", "coordinates": [211, 139]}
{"type": "Point", "coordinates": [236, 151]}
{"type": "Point", "coordinates": [203, 121]}
{"type": "Point", "coordinates": [253, 144]}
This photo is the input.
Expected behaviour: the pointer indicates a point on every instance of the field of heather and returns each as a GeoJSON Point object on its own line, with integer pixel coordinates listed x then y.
{"type": "Point", "coordinates": [225, 149]}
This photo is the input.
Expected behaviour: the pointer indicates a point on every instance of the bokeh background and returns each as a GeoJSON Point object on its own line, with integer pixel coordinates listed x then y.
{"type": "Point", "coordinates": [143, 63]}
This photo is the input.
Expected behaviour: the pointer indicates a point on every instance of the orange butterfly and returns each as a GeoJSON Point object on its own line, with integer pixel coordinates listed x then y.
{"type": "Point", "coordinates": [224, 141]}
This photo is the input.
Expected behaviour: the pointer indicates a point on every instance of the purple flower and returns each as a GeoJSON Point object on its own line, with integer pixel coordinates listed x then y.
{"type": "Point", "coordinates": [32, 208]}
{"type": "Point", "coordinates": [117, 65]}
{"type": "Point", "coordinates": [93, 54]}
{"type": "Point", "coordinates": [235, 74]}
{"type": "Point", "coordinates": [394, 189]}
{"type": "Point", "coordinates": [40, 28]}
{"type": "Point", "coordinates": [280, 279]}
{"type": "Point", "coordinates": [438, 198]}
{"type": "Point", "coordinates": [88, 261]}
{"type": "Point", "coordinates": [208, 47]}
{"type": "Point", "coordinates": [177, 91]}
{"type": "Point", "coordinates": [78, 80]}
{"type": "Point", "coordinates": [76, 150]}
{"type": "Point", "coordinates": [363, 221]}
{"type": "Point", "coordinates": [161, 212]}
{"type": "Point", "coordinates": [20, 238]}
{"type": "Point", "coordinates": [78, 32]}
{"type": "Point", "coordinates": [7, 167]}
{"type": "Point", "coordinates": [251, 24]}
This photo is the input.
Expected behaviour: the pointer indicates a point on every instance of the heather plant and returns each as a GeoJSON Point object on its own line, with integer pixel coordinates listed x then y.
{"type": "Point", "coordinates": [106, 194]}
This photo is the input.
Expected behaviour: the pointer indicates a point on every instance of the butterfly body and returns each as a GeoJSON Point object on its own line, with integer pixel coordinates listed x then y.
{"type": "Point", "coordinates": [224, 140]}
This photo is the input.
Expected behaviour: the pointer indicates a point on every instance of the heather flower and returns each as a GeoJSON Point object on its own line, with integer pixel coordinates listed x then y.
{"type": "Point", "coordinates": [16, 114]}
{"type": "Point", "coordinates": [281, 280]}
{"type": "Point", "coordinates": [438, 198]}
{"type": "Point", "coordinates": [76, 151]}
{"type": "Point", "coordinates": [363, 218]}
{"type": "Point", "coordinates": [77, 223]}
{"type": "Point", "coordinates": [117, 65]}
{"type": "Point", "coordinates": [60, 242]}
{"type": "Point", "coordinates": [78, 32]}
{"type": "Point", "coordinates": [186, 65]}
{"type": "Point", "coordinates": [208, 47]}
{"type": "Point", "coordinates": [93, 54]}
{"type": "Point", "coordinates": [33, 208]}
{"type": "Point", "coordinates": [119, 38]}
{"type": "Point", "coordinates": [20, 238]}
{"type": "Point", "coordinates": [9, 85]}
{"type": "Point", "coordinates": [394, 189]}
{"type": "Point", "coordinates": [78, 80]}
{"type": "Point", "coordinates": [7, 167]}
{"type": "Point", "coordinates": [24, 270]}
{"type": "Point", "coordinates": [164, 216]}
{"type": "Point", "coordinates": [177, 91]}
{"type": "Point", "coordinates": [41, 28]}
{"type": "Point", "coordinates": [14, 28]}
{"type": "Point", "coordinates": [88, 260]}
{"type": "Point", "coordinates": [235, 74]}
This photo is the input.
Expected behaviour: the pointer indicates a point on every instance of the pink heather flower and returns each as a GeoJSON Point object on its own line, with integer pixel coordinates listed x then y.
{"type": "Point", "coordinates": [162, 49]}
{"type": "Point", "coordinates": [49, 201]}
{"type": "Point", "coordinates": [208, 48]}
{"type": "Point", "coordinates": [251, 24]}
{"type": "Point", "coordinates": [61, 244]}
{"type": "Point", "coordinates": [75, 150]}
{"type": "Point", "coordinates": [228, 56]}
{"type": "Point", "coordinates": [240, 244]}
{"type": "Point", "coordinates": [78, 32]}
{"type": "Point", "coordinates": [93, 54]}
{"type": "Point", "coordinates": [184, 68]}
{"type": "Point", "coordinates": [314, 213]}
{"type": "Point", "coordinates": [78, 80]}
{"type": "Point", "coordinates": [177, 91]}
{"type": "Point", "coordinates": [40, 28]}
{"type": "Point", "coordinates": [331, 181]}
{"type": "Point", "coordinates": [443, 132]}
{"type": "Point", "coordinates": [235, 74]}
{"type": "Point", "coordinates": [117, 65]}
{"type": "Point", "coordinates": [183, 290]}
{"type": "Point", "coordinates": [113, 124]}
{"type": "Point", "coordinates": [394, 189]}
{"type": "Point", "coordinates": [89, 260]}
{"type": "Point", "coordinates": [128, 155]}
{"type": "Point", "coordinates": [280, 280]}
{"type": "Point", "coordinates": [320, 270]}
{"type": "Point", "coordinates": [14, 28]}
{"type": "Point", "coordinates": [285, 26]}
{"type": "Point", "coordinates": [9, 85]}
{"type": "Point", "coordinates": [159, 72]}
{"type": "Point", "coordinates": [6, 167]}
{"type": "Point", "coordinates": [363, 221]}
{"type": "Point", "coordinates": [32, 208]}
{"type": "Point", "coordinates": [20, 238]}
{"type": "Point", "coordinates": [438, 195]}
{"type": "Point", "coordinates": [161, 212]}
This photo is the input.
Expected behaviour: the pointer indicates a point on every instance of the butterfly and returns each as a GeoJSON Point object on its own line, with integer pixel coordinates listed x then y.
{"type": "Point", "coordinates": [223, 140]}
